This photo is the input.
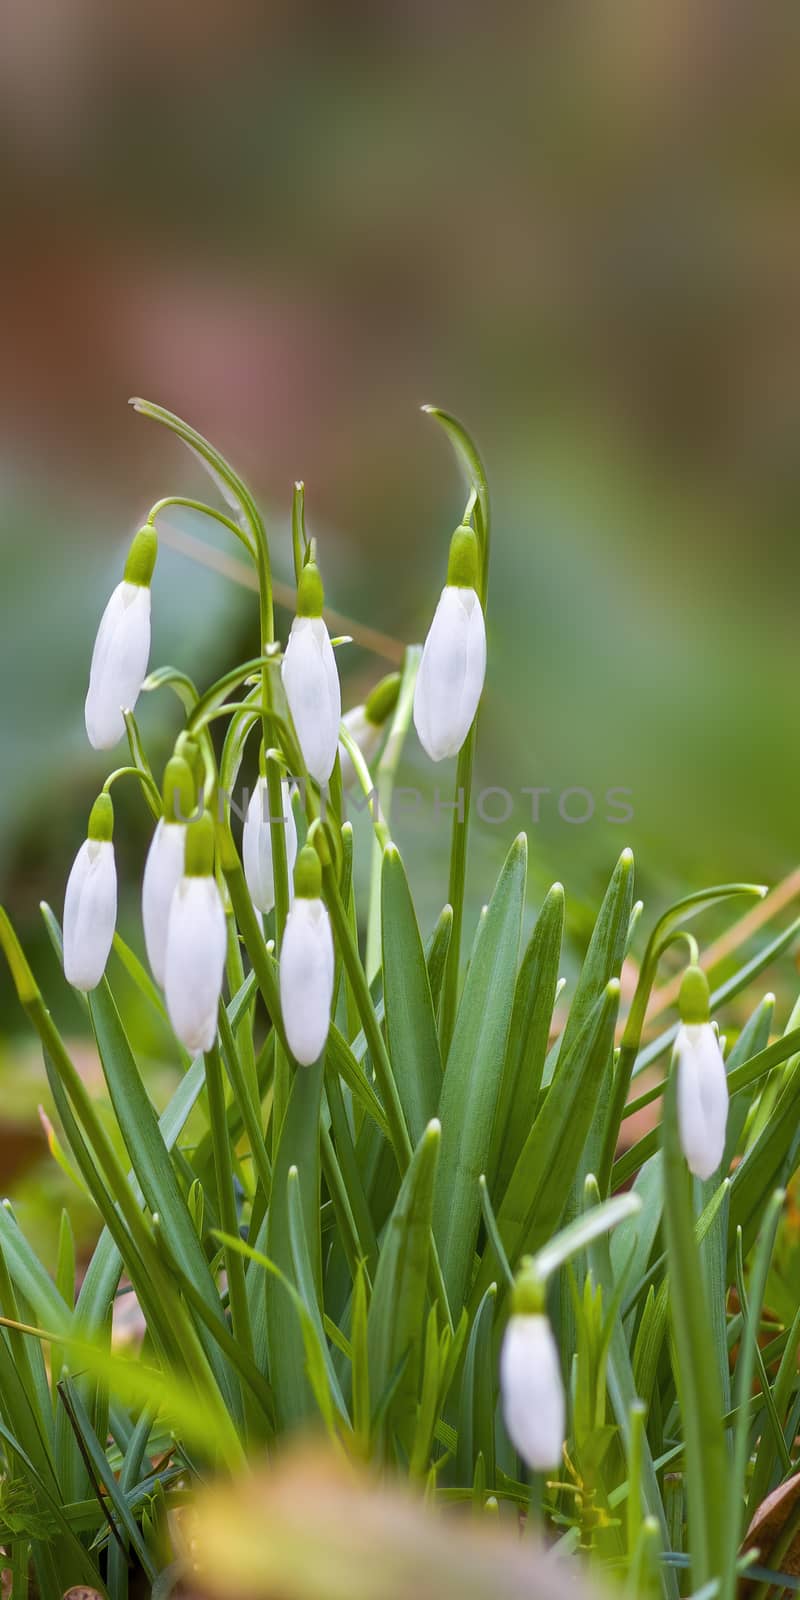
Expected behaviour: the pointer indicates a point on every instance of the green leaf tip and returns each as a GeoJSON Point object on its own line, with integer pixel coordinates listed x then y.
{"type": "Point", "coordinates": [24, 981]}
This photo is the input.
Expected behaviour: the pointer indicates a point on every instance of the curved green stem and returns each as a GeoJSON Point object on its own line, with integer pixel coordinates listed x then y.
{"type": "Point", "coordinates": [207, 511]}
{"type": "Point", "coordinates": [147, 782]}
{"type": "Point", "coordinates": [235, 491]}
{"type": "Point", "coordinates": [663, 935]}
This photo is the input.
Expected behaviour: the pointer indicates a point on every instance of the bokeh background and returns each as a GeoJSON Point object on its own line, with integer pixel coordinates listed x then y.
{"type": "Point", "coordinates": [573, 224]}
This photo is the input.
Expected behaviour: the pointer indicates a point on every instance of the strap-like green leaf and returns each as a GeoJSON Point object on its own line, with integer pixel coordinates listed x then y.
{"type": "Point", "coordinates": [396, 1321]}
{"type": "Point", "coordinates": [696, 1374]}
{"type": "Point", "coordinates": [478, 1395]}
{"type": "Point", "coordinates": [410, 1020]}
{"type": "Point", "coordinates": [472, 1077]}
{"type": "Point", "coordinates": [534, 998]}
{"type": "Point", "coordinates": [545, 1172]}
{"type": "Point", "coordinates": [298, 1147]}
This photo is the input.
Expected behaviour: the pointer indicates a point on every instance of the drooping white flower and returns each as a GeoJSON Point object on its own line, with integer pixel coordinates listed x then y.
{"type": "Point", "coordinates": [306, 965]}
{"type": "Point", "coordinates": [196, 943]}
{"type": "Point", "coordinates": [453, 666]}
{"type": "Point", "coordinates": [311, 679]}
{"type": "Point", "coordinates": [122, 647]}
{"type": "Point", "coordinates": [366, 725]}
{"type": "Point", "coordinates": [163, 871]}
{"type": "Point", "coordinates": [702, 1084]}
{"type": "Point", "coordinates": [90, 902]}
{"type": "Point", "coordinates": [702, 1097]}
{"type": "Point", "coordinates": [532, 1390]}
{"type": "Point", "coordinates": [165, 861]}
{"type": "Point", "coordinates": [257, 845]}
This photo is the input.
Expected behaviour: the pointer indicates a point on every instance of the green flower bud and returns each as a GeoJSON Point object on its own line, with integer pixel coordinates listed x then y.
{"type": "Point", "coordinates": [310, 593]}
{"type": "Point", "coordinates": [463, 567]}
{"type": "Point", "coordinates": [380, 703]}
{"type": "Point", "coordinates": [178, 790]}
{"type": "Point", "coordinates": [308, 875]}
{"type": "Point", "coordinates": [142, 557]}
{"type": "Point", "coordinates": [694, 998]}
{"type": "Point", "coordinates": [101, 818]}
{"type": "Point", "coordinates": [200, 847]}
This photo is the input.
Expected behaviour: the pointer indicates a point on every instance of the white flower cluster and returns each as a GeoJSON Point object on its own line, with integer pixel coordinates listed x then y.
{"type": "Point", "coordinates": [183, 912]}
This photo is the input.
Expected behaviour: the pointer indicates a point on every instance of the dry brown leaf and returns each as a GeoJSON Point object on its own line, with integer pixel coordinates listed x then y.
{"type": "Point", "coordinates": [767, 1529]}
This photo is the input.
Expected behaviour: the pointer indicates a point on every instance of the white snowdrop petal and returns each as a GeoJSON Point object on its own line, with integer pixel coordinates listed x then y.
{"type": "Point", "coordinates": [702, 1097]}
{"type": "Point", "coordinates": [257, 845]}
{"type": "Point", "coordinates": [195, 961]}
{"type": "Point", "coordinates": [90, 913]}
{"type": "Point", "coordinates": [119, 663]}
{"type": "Point", "coordinates": [306, 979]}
{"type": "Point", "coordinates": [163, 871]}
{"type": "Point", "coordinates": [532, 1391]}
{"type": "Point", "coordinates": [311, 681]}
{"type": "Point", "coordinates": [451, 674]}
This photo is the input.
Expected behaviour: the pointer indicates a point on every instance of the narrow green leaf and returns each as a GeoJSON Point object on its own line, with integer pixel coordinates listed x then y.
{"type": "Point", "coordinates": [601, 1218]}
{"type": "Point", "coordinates": [395, 1323]}
{"type": "Point", "coordinates": [603, 958]}
{"type": "Point", "coordinates": [410, 1021]}
{"type": "Point", "coordinates": [621, 1386]}
{"type": "Point", "coordinates": [473, 1074]}
{"type": "Point", "coordinates": [152, 1164]}
{"type": "Point", "coordinates": [745, 1367]}
{"type": "Point", "coordinates": [545, 1172]}
{"type": "Point", "coordinates": [534, 999]}
{"type": "Point", "coordinates": [98, 1459]}
{"type": "Point", "coordinates": [477, 1401]}
{"type": "Point", "coordinates": [436, 953]}
{"type": "Point", "coordinates": [298, 1147]}
{"type": "Point", "coordinates": [696, 1374]}
{"type": "Point", "coordinates": [360, 1362]}
{"type": "Point", "coordinates": [305, 1278]}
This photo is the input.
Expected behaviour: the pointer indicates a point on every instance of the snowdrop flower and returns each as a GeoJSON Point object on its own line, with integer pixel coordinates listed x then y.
{"type": "Point", "coordinates": [257, 845]}
{"type": "Point", "coordinates": [122, 647]}
{"type": "Point", "coordinates": [196, 943]}
{"type": "Point", "coordinates": [165, 862]}
{"type": "Point", "coordinates": [306, 964]}
{"type": "Point", "coordinates": [530, 1381]}
{"type": "Point", "coordinates": [450, 679]}
{"type": "Point", "coordinates": [311, 679]}
{"type": "Point", "coordinates": [90, 903]}
{"type": "Point", "coordinates": [702, 1081]}
{"type": "Point", "coordinates": [366, 724]}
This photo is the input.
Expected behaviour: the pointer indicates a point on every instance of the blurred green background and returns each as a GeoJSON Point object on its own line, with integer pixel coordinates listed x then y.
{"type": "Point", "coordinates": [576, 226]}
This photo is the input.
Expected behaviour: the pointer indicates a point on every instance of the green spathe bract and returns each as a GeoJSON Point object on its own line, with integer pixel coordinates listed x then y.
{"type": "Point", "coordinates": [338, 1247]}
